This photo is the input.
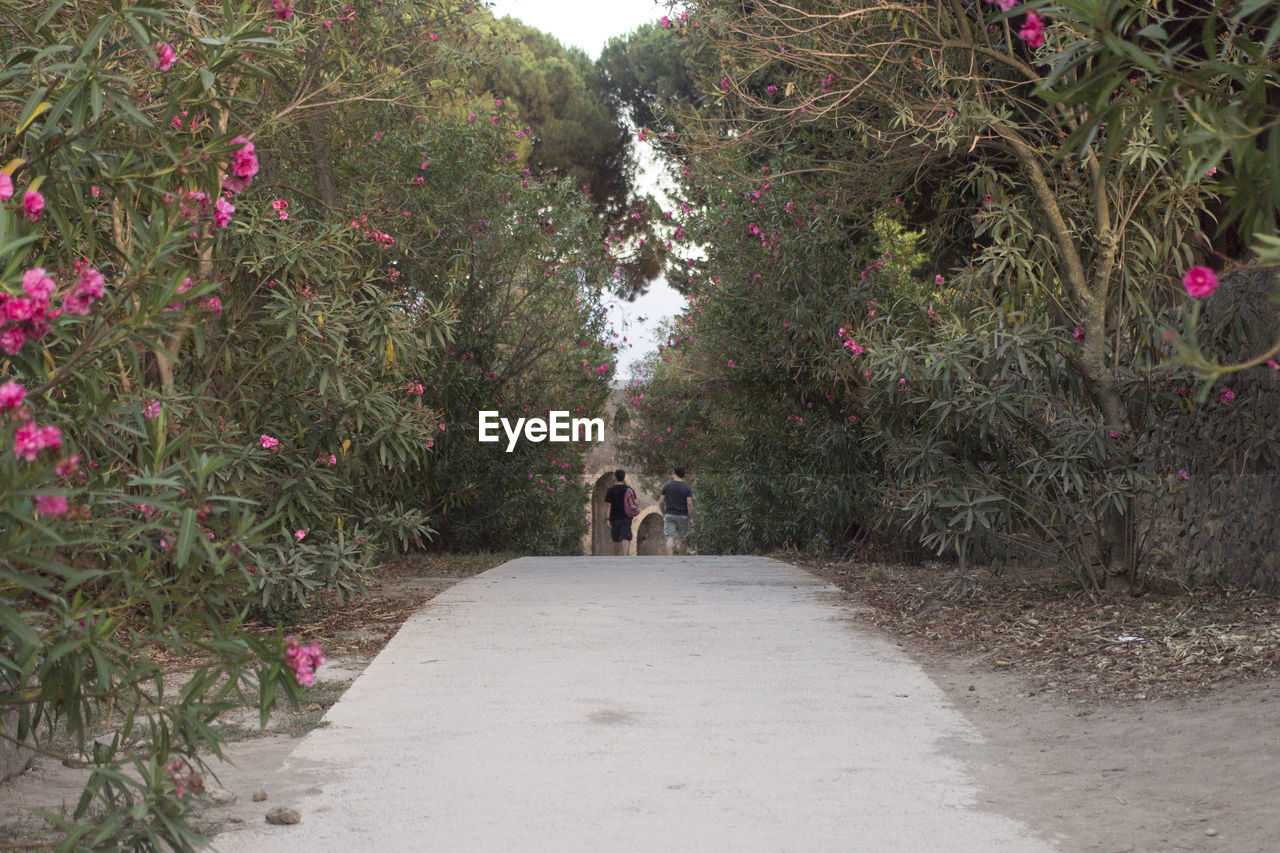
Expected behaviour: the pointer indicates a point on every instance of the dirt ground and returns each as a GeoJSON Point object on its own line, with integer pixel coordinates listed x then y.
{"type": "Point", "coordinates": [1164, 743]}
{"type": "Point", "coordinates": [1167, 743]}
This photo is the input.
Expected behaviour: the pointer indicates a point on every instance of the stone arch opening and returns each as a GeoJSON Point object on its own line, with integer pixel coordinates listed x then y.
{"type": "Point", "coordinates": [649, 541]}
{"type": "Point", "coordinates": [601, 541]}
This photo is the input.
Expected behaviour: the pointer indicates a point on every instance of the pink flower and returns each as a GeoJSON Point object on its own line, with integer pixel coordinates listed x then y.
{"type": "Point", "coordinates": [67, 467]}
{"type": "Point", "coordinates": [284, 9]}
{"type": "Point", "coordinates": [281, 207]}
{"type": "Point", "coordinates": [433, 36]}
{"type": "Point", "coordinates": [303, 661]}
{"type": "Point", "coordinates": [938, 279]}
{"type": "Point", "coordinates": [299, 534]}
{"type": "Point", "coordinates": [1200, 282]}
{"type": "Point", "coordinates": [19, 308]}
{"type": "Point", "coordinates": [471, 117]}
{"type": "Point", "coordinates": [266, 442]}
{"type": "Point", "coordinates": [11, 395]}
{"type": "Point", "coordinates": [244, 162]}
{"type": "Point", "coordinates": [33, 204]}
{"type": "Point", "coordinates": [1078, 333]}
{"type": "Point", "coordinates": [1226, 395]}
{"type": "Point", "coordinates": [165, 56]}
{"type": "Point", "coordinates": [1271, 363]}
{"type": "Point", "coordinates": [1032, 31]}
{"type": "Point", "coordinates": [12, 339]}
{"type": "Point", "coordinates": [54, 505]}
{"type": "Point", "coordinates": [222, 210]}
{"type": "Point", "coordinates": [1182, 474]}
{"type": "Point", "coordinates": [29, 440]}
{"type": "Point", "coordinates": [214, 304]}
{"type": "Point", "coordinates": [724, 83]}
{"type": "Point", "coordinates": [333, 460]}
{"type": "Point", "coordinates": [6, 186]}
{"type": "Point", "coordinates": [151, 409]}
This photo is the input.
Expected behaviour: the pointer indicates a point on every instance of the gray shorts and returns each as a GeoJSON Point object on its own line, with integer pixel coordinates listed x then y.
{"type": "Point", "coordinates": [675, 527]}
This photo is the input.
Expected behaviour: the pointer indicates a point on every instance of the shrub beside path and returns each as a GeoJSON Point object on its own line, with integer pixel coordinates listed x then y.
{"type": "Point", "coordinates": [637, 704]}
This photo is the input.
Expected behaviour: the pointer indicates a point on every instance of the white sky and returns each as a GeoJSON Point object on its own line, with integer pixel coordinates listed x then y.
{"type": "Point", "coordinates": [589, 24]}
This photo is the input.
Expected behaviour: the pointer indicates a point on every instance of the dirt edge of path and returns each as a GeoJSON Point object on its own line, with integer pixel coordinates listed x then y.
{"type": "Point", "coordinates": [1189, 766]}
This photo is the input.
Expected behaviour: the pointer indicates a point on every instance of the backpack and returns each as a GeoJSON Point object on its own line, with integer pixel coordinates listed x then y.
{"type": "Point", "coordinates": [629, 504]}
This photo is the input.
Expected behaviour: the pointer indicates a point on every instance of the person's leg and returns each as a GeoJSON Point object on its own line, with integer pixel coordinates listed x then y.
{"type": "Point", "coordinates": [617, 549]}
{"type": "Point", "coordinates": [669, 533]}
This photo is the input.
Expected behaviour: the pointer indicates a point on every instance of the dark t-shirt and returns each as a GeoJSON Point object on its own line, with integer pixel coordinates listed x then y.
{"type": "Point", "coordinates": [677, 493]}
{"type": "Point", "coordinates": [616, 498]}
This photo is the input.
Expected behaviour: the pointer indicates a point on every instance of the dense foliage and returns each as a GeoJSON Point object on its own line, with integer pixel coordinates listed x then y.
{"type": "Point", "coordinates": [261, 266]}
{"type": "Point", "coordinates": [919, 317]}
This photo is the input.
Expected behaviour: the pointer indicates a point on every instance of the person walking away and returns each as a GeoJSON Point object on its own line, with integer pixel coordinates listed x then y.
{"type": "Point", "coordinates": [676, 504]}
{"type": "Point", "coordinates": [619, 519]}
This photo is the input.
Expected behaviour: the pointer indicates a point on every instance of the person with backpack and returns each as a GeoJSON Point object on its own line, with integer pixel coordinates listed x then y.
{"type": "Point", "coordinates": [623, 507]}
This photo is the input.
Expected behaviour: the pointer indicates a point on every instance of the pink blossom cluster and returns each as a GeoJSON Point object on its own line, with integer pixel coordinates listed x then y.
{"type": "Point", "coordinates": [266, 442]}
{"type": "Point", "coordinates": [281, 207]}
{"type": "Point", "coordinates": [151, 409]}
{"type": "Point", "coordinates": [165, 56]}
{"type": "Point", "coordinates": [416, 389]}
{"type": "Point", "coordinates": [29, 439]}
{"type": "Point", "coordinates": [1200, 282]}
{"type": "Point", "coordinates": [244, 165]}
{"type": "Point", "coordinates": [303, 661]}
{"type": "Point", "coordinates": [26, 317]}
{"type": "Point", "coordinates": [283, 9]}
{"type": "Point", "coordinates": [362, 225]}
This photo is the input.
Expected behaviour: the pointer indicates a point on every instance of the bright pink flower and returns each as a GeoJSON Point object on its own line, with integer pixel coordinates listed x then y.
{"type": "Point", "coordinates": [11, 395]}
{"type": "Point", "coordinates": [151, 409]}
{"type": "Point", "coordinates": [37, 284]}
{"type": "Point", "coordinates": [333, 460]}
{"type": "Point", "coordinates": [33, 204]}
{"type": "Point", "coordinates": [222, 210]}
{"type": "Point", "coordinates": [67, 467]}
{"type": "Point", "coordinates": [1200, 282]}
{"type": "Point", "coordinates": [19, 308]}
{"type": "Point", "coordinates": [244, 162]}
{"type": "Point", "coordinates": [50, 436]}
{"type": "Point", "coordinates": [938, 279]}
{"type": "Point", "coordinates": [1226, 395]}
{"type": "Point", "coordinates": [29, 440]}
{"type": "Point", "coordinates": [299, 534]}
{"type": "Point", "coordinates": [281, 207]}
{"type": "Point", "coordinates": [54, 505]}
{"type": "Point", "coordinates": [1032, 31]}
{"type": "Point", "coordinates": [266, 442]}
{"type": "Point", "coordinates": [433, 36]}
{"type": "Point", "coordinates": [471, 117]}
{"type": "Point", "coordinates": [1273, 364]}
{"type": "Point", "coordinates": [214, 304]}
{"type": "Point", "coordinates": [165, 56]}
{"type": "Point", "coordinates": [12, 339]}
{"type": "Point", "coordinates": [284, 9]}
{"type": "Point", "coordinates": [6, 186]}
{"type": "Point", "coordinates": [1078, 333]}
{"type": "Point", "coordinates": [724, 83]}
{"type": "Point", "coordinates": [90, 284]}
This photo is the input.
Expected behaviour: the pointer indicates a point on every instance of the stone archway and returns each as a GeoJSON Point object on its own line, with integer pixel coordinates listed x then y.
{"type": "Point", "coordinates": [648, 527]}
{"type": "Point", "coordinates": [601, 542]}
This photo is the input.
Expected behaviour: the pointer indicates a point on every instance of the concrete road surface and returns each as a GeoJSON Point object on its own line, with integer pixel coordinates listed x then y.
{"type": "Point", "coordinates": [637, 704]}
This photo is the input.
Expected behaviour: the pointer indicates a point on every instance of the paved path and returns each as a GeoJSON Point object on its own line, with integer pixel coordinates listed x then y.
{"type": "Point", "coordinates": [637, 704]}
